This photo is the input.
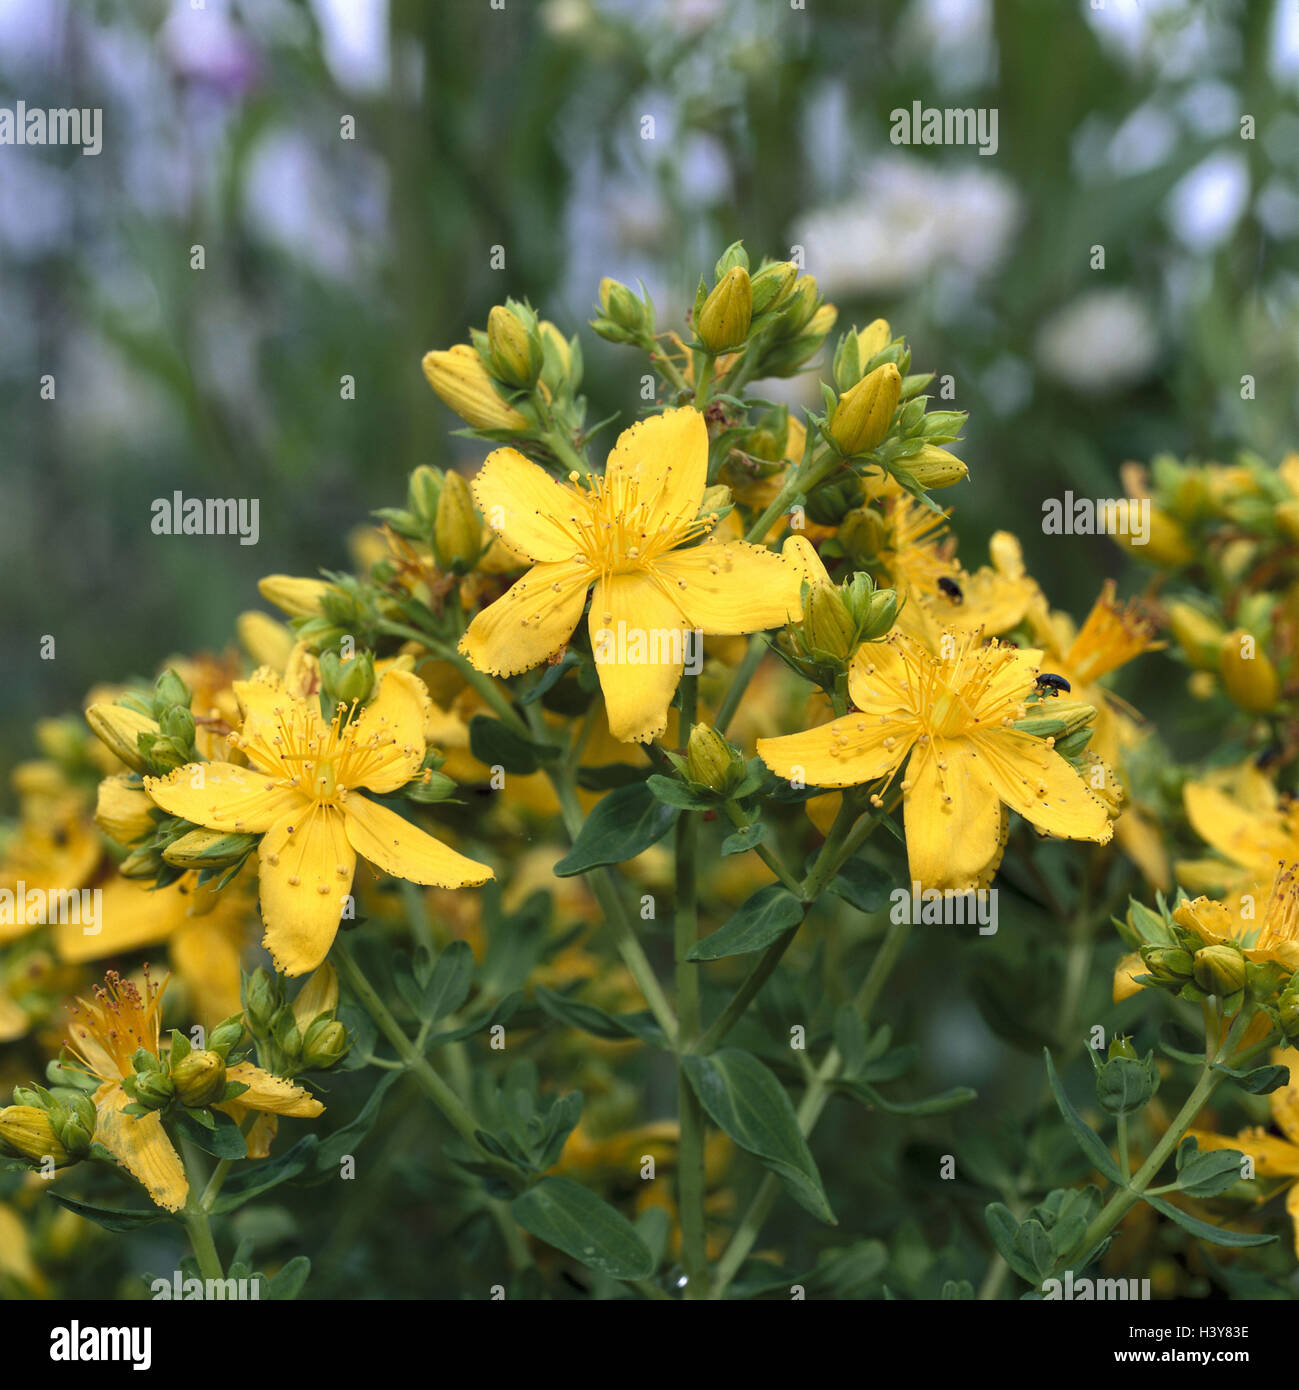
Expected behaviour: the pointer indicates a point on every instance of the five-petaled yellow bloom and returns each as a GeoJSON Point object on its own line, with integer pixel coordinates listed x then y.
{"type": "Point", "coordinates": [953, 719]}
{"type": "Point", "coordinates": [105, 1034]}
{"type": "Point", "coordinates": [629, 534]}
{"type": "Point", "coordinates": [301, 795]}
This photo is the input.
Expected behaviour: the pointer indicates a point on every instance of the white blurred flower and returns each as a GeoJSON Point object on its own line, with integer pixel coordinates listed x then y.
{"type": "Point", "coordinates": [1205, 204]}
{"type": "Point", "coordinates": [912, 219]}
{"type": "Point", "coordinates": [1099, 342]}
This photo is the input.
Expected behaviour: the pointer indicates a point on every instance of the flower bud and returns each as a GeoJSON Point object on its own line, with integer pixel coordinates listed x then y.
{"type": "Point", "coordinates": [177, 724]}
{"type": "Point", "coordinates": [1168, 964]}
{"type": "Point", "coordinates": [26, 1131]}
{"type": "Point", "coordinates": [1249, 679]}
{"type": "Point", "coordinates": [325, 1045]}
{"type": "Point", "coordinates": [318, 996]}
{"type": "Point", "coordinates": [799, 305]}
{"type": "Point", "coordinates": [1122, 1047]}
{"type": "Point", "coordinates": [516, 353]}
{"type": "Point", "coordinates": [863, 414]}
{"type": "Point", "coordinates": [144, 863]}
{"type": "Point", "coordinates": [1220, 970]}
{"type": "Point", "coordinates": [299, 598]}
{"type": "Point", "coordinates": [711, 761]}
{"type": "Point", "coordinates": [862, 535]}
{"type": "Point", "coordinates": [267, 642]}
{"type": "Point", "coordinates": [771, 284]}
{"type": "Point", "coordinates": [872, 339]}
{"type": "Point", "coordinates": [1287, 1007]}
{"type": "Point", "coordinates": [557, 354]}
{"type": "Point", "coordinates": [123, 810]}
{"type": "Point", "coordinates": [208, 849]}
{"type": "Point", "coordinates": [261, 999]}
{"type": "Point", "coordinates": [119, 730]}
{"type": "Point", "coordinates": [881, 614]}
{"type": "Point", "coordinates": [1166, 544]}
{"type": "Point", "coordinates": [727, 313]}
{"type": "Point", "coordinates": [458, 532]}
{"type": "Point", "coordinates": [155, 1090]}
{"type": "Point", "coordinates": [934, 467]}
{"type": "Point", "coordinates": [460, 379]}
{"type": "Point", "coordinates": [72, 1117]}
{"type": "Point", "coordinates": [1196, 633]}
{"type": "Point", "coordinates": [226, 1034]}
{"type": "Point", "coordinates": [828, 627]}
{"type": "Point", "coordinates": [200, 1078]}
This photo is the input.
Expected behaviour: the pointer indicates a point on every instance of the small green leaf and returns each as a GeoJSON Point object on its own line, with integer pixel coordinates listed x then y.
{"type": "Point", "coordinates": [110, 1218]}
{"type": "Point", "coordinates": [1260, 1081]}
{"type": "Point", "coordinates": [930, 1105]}
{"type": "Point", "coordinates": [750, 837]}
{"type": "Point", "coordinates": [222, 1140]}
{"type": "Point", "coordinates": [270, 1173]}
{"type": "Point", "coordinates": [626, 823]}
{"type": "Point", "coordinates": [289, 1281]}
{"type": "Point", "coordinates": [497, 745]}
{"type": "Point", "coordinates": [762, 919]}
{"type": "Point", "coordinates": [448, 985]}
{"type": "Point", "coordinates": [744, 1098]}
{"type": "Point", "coordinates": [1215, 1235]}
{"type": "Point", "coordinates": [590, 1019]}
{"type": "Point", "coordinates": [1207, 1173]}
{"type": "Point", "coordinates": [673, 793]}
{"type": "Point", "coordinates": [573, 1219]}
{"type": "Point", "coordinates": [1088, 1140]}
{"type": "Point", "coordinates": [863, 884]}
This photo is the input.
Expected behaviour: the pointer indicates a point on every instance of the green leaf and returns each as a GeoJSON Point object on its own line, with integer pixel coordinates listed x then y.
{"type": "Point", "coordinates": [448, 985]}
{"type": "Point", "coordinates": [626, 823]}
{"type": "Point", "coordinates": [750, 837]}
{"type": "Point", "coordinates": [289, 1281]}
{"type": "Point", "coordinates": [110, 1218]}
{"type": "Point", "coordinates": [222, 1140]}
{"type": "Point", "coordinates": [497, 745]}
{"type": "Point", "coordinates": [1005, 1230]}
{"type": "Point", "coordinates": [268, 1174]}
{"type": "Point", "coordinates": [573, 1219]}
{"type": "Point", "coordinates": [501, 1012]}
{"type": "Point", "coordinates": [744, 1098]}
{"type": "Point", "coordinates": [1088, 1140]}
{"type": "Point", "coordinates": [673, 793]}
{"type": "Point", "coordinates": [863, 884]}
{"type": "Point", "coordinates": [930, 1105]}
{"type": "Point", "coordinates": [1215, 1235]}
{"type": "Point", "coordinates": [1206, 1173]}
{"type": "Point", "coordinates": [1033, 1244]}
{"type": "Point", "coordinates": [345, 1141]}
{"type": "Point", "coordinates": [1261, 1081]}
{"type": "Point", "coordinates": [762, 919]}
{"type": "Point", "coordinates": [590, 1019]}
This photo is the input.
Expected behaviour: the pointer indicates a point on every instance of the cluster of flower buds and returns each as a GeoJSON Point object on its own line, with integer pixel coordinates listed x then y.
{"type": "Point", "coordinates": [837, 619]}
{"type": "Point", "coordinates": [54, 1126]}
{"type": "Point", "coordinates": [184, 1075]}
{"type": "Point", "coordinates": [301, 1036]}
{"type": "Point", "coordinates": [151, 733]}
{"type": "Point", "coordinates": [875, 412]}
{"type": "Point", "coordinates": [509, 378]}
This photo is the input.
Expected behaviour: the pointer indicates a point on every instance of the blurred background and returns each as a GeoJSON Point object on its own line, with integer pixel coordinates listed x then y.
{"type": "Point", "coordinates": [324, 257]}
{"type": "Point", "coordinates": [522, 128]}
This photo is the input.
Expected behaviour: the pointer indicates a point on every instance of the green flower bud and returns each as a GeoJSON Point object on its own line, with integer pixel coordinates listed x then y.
{"type": "Point", "coordinates": [933, 467]}
{"type": "Point", "coordinates": [727, 313]}
{"type": "Point", "coordinates": [155, 1090]}
{"type": "Point", "coordinates": [208, 849]}
{"type": "Point", "coordinates": [621, 306]}
{"type": "Point", "coordinates": [1168, 964]}
{"type": "Point", "coordinates": [1122, 1047]}
{"type": "Point", "coordinates": [226, 1034]}
{"type": "Point", "coordinates": [863, 414]}
{"type": "Point", "coordinates": [458, 533]}
{"type": "Point", "coordinates": [169, 690]}
{"type": "Point", "coordinates": [771, 284]}
{"type": "Point", "coordinates": [261, 999]}
{"type": "Point", "coordinates": [119, 730]}
{"type": "Point", "coordinates": [711, 761]}
{"type": "Point", "coordinates": [862, 534]}
{"type": "Point", "coordinates": [734, 255]}
{"type": "Point", "coordinates": [325, 1045]}
{"type": "Point", "coordinates": [199, 1078]}
{"type": "Point", "coordinates": [829, 629]}
{"type": "Point", "coordinates": [422, 492]}
{"type": "Point", "coordinates": [347, 682]}
{"type": "Point", "coordinates": [800, 303]}
{"type": "Point", "coordinates": [1287, 1008]}
{"type": "Point", "coordinates": [73, 1121]}
{"type": "Point", "coordinates": [145, 863]}
{"type": "Point", "coordinates": [515, 350]}
{"type": "Point", "coordinates": [881, 614]}
{"type": "Point", "coordinates": [25, 1130]}
{"type": "Point", "coordinates": [1220, 970]}
{"type": "Point", "coordinates": [177, 723]}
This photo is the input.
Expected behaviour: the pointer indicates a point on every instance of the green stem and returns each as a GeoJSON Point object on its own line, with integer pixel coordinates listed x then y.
{"type": "Point", "coordinates": [743, 997]}
{"type": "Point", "coordinates": [740, 681]}
{"type": "Point", "coordinates": [433, 1086]}
{"type": "Point", "coordinates": [690, 1144]}
{"type": "Point", "coordinates": [813, 1103]}
{"type": "Point", "coordinates": [801, 480]}
{"type": "Point", "coordinates": [602, 885]}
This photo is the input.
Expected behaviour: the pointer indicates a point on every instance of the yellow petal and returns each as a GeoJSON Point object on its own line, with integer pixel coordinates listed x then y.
{"type": "Point", "coordinates": [131, 915]}
{"type": "Point", "coordinates": [1244, 836]}
{"type": "Point", "coordinates": [1125, 973]}
{"type": "Point", "coordinates": [15, 1250]}
{"type": "Point", "coordinates": [842, 753]}
{"type": "Point", "coordinates": [272, 1094]}
{"type": "Point", "coordinates": [305, 875]}
{"type": "Point", "coordinates": [662, 463]}
{"type": "Point", "coordinates": [638, 637]}
{"type": "Point", "coordinates": [732, 587]}
{"type": "Point", "coordinates": [223, 796]}
{"type": "Point", "coordinates": [530, 622]}
{"type": "Point", "coordinates": [1038, 783]}
{"type": "Point", "coordinates": [525, 506]}
{"type": "Point", "coordinates": [953, 819]}
{"type": "Point", "coordinates": [205, 952]}
{"type": "Point", "coordinates": [1292, 1208]}
{"type": "Point", "coordinates": [391, 730]}
{"type": "Point", "coordinates": [403, 850]}
{"type": "Point", "coordinates": [13, 1021]}
{"type": "Point", "coordinates": [802, 554]}
{"type": "Point", "coordinates": [1285, 1109]}
{"type": "Point", "coordinates": [141, 1146]}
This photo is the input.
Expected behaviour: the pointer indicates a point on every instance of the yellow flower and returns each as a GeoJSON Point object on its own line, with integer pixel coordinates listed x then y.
{"type": "Point", "coordinates": [1248, 823]}
{"type": "Point", "coordinates": [952, 719]}
{"type": "Point", "coordinates": [1277, 939]}
{"type": "Point", "coordinates": [627, 534]}
{"type": "Point", "coordinates": [105, 1035]}
{"type": "Point", "coordinates": [301, 794]}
